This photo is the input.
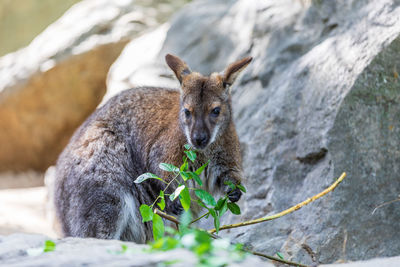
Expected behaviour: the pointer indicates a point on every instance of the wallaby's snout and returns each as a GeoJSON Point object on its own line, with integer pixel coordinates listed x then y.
{"type": "Point", "coordinates": [199, 135]}
{"type": "Point", "coordinates": [200, 139]}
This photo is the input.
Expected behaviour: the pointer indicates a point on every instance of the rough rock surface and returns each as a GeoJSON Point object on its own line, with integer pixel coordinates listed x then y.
{"type": "Point", "coordinates": [381, 262]}
{"type": "Point", "coordinates": [321, 97]}
{"type": "Point", "coordinates": [19, 250]}
{"type": "Point", "coordinates": [24, 250]}
{"type": "Point", "coordinates": [48, 88]}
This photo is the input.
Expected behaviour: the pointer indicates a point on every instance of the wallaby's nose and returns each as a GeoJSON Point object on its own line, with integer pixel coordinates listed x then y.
{"type": "Point", "coordinates": [200, 139]}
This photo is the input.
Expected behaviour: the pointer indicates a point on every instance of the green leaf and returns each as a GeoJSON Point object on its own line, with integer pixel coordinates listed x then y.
{"type": "Point", "coordinates": [168, 167]}
{"type": "Point", "coordinates": [185, 175]}
{"type": "Point", "coordinates": [220, 203]}
{"type": "Point", "coordinates": [213, 213]}
{"type": "Point", "coordinates": [146, 176]}
{"type": "Point", "coordinates": [184, 197]}
{"type": "Point", "coordinates": [223, 209]}
{"type": "Point", "coordinates": [201, 204]}
{"type": "Point", "coordinates": [234, 208]}
{"type": "Point", "coordinates": [124, 248]}
{"type": "Point", "coordinates": [158, 227]}
{"type": "Point", "coordinates": [177, 192]}
{"type": "Point", "coordinates": [204, 242]}
{"type": "Point", "coordinates": [280, 255]}
{"type": "Point", "coordinates": [161, 204]}
{"type": "Point", "coordinates": [185, 219]}
{"type": "Point", "coordinates": [203, 248]}
{"type": "Point", "coordinates": [187, 146]}
{"type": "Point", "coordinates": [239, 246]}
{"type": "Point", "coordinates": [216, 224]}
{"type": "Point", "coordinates": [201, 169]}
{"type": "Point", "coordinates": [230, 184]}
{"type": "Point", "coordinates": [49, 246]}
{"type": "Point", "coordinates": [196, 177]}
{"type": "Point", "coordinates": [157, 245]}
{"type": "Point", "coordinates": [203, 237]}
{"type": "Point", "coordinates": [216, 219]}
{"type": "Point", "coordinates": [206, 197]}
{"type": "Point", "coordinates": [169, 244]}
{"type": "Point", "coordinates": [241, 187]}
{"type": "Point", "coordinates": [191, 155]}
{"type": "Point", "coordinates": [184, 166]}
{"type": "Point", "coordinates": [146, 212]}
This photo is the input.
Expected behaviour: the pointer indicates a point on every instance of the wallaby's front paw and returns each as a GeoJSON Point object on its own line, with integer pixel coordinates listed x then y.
{"type": "Point", "coordinates": [234, 195]}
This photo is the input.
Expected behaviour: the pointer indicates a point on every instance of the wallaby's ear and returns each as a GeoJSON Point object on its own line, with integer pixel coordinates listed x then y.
{"type": "Point", "coordinates": [178, 66]}
{"type": "Point", "coordinates": [233, 70]}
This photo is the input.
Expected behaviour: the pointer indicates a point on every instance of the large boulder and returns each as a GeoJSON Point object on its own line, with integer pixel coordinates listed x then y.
{"type": "Point", "coordinates": [24, 250]}
{"type": "Point", "coordinates": [27, 250]}
{"type": "Point", "coordinates": [48, 88]}
{"type": "Point", "coordinates": [321, 97]}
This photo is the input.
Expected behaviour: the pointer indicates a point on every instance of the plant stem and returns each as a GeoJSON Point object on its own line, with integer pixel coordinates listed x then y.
{"type": "Point", "coordinates": [276, 259]}
{"type": "Point", "coordinates": [280, 214]}
{"type": "Point", "coordinates": [166, 216]}
{"type": "Point", "coordinates": [386, 203]}
{"type": "Point", "coordinates": [166, 187]}
{"type": "Point", "coordinates": [195, 220]}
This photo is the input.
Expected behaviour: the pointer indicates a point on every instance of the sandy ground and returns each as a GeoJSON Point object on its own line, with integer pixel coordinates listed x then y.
{"type": "Point", "coordinates": [25, 210]}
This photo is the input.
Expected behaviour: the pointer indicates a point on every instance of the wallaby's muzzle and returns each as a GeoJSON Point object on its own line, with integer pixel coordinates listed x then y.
{"type": "Point", "coordinates": [200, 140]}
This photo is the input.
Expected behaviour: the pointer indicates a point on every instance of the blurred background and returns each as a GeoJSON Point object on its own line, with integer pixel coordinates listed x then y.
{"type": "Point", "coordinates": [322, 96]}
{"type": "Point", "coordinates": [22, 20]}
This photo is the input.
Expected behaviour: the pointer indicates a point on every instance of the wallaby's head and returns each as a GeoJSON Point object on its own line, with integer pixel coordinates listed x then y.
{"type": "Point", "coordinates": [205, 103]}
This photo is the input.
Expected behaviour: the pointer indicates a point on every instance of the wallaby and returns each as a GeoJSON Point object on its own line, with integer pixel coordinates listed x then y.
{"type": "Point", "coordinates": [95, 193]}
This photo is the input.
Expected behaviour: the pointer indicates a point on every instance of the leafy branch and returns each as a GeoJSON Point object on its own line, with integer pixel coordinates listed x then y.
{"type": "Point", "coordinates": [287, 211]}
{"type": "Point", "coordinates": [212, 235]}
{"type": "Point", "coordinates": [182, 175]}
{"type": "Point", "coordinates": [201, 241]}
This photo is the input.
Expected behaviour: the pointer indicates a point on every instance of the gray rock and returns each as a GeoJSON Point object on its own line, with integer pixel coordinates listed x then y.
{"type": "Point", "coordinates": [25, 250]}
{"type": "Point", "coordinates": [381, 262]}
{"type": "Point", "coordinates": [321, 97]}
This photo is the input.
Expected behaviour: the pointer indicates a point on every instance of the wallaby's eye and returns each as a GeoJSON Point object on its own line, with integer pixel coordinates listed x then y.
{"type": "Point", "coordinates": [187, 112]}
{"type": "Point", "coordinates": [215, 112]}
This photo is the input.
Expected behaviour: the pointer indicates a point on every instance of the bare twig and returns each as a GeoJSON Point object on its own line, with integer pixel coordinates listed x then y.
{"type": "Point", "coordinates": [386, 203]}
{"type": "Point", "coordinates": [310, 252]}
{"type": "Point", "coordinates": [195, 220]}
{"type": "Point", "coordinates": [276, 259]}
{"type": "Point", "coordinates": [166, 216]}
{"type": "Point", "coordinates": [344, 244]}
{"type": "Point", "coordinates": [280, 214]}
